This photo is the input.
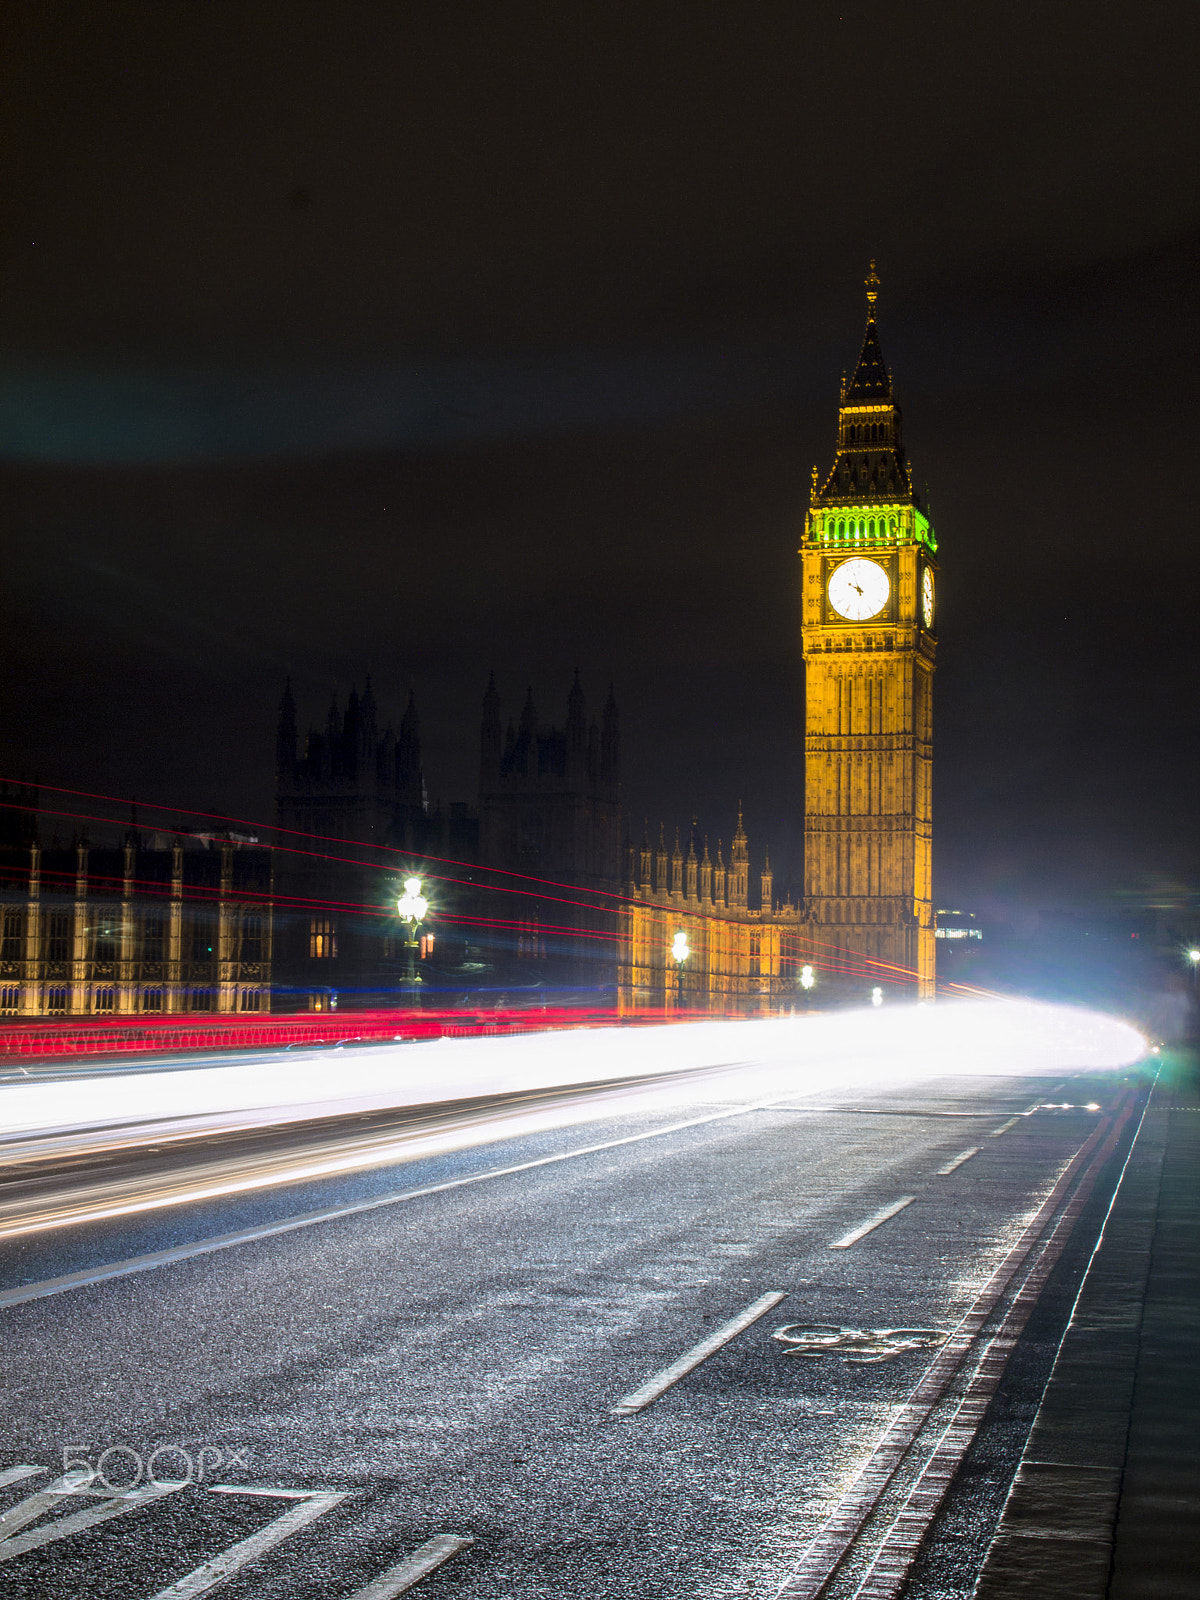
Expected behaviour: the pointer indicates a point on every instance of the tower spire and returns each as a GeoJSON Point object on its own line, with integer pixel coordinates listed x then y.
{"type": "Point", "coordinates": [871, 469]}
{"type": "Point", "coordinates": [871, 284]}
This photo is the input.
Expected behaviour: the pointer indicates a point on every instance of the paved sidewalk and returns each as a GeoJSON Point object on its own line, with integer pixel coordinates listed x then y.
{"type": "Point", "coordinates": [1106, 1504]}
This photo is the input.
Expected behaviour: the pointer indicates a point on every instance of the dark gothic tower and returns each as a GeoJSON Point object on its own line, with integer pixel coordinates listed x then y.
{"type": "Point", "coordinates": [285, 735]}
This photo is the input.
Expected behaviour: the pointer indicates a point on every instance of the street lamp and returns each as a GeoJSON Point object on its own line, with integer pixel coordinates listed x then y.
{"type": "Point", "coordinates": [807, 979]}
{"type": "Point", "coordinates": [680, 952]}
{"type": "Point", "coordinates": [412, 907]}
{"type": "Point", "coordinates": [1194, 958]}
{"type": "Point", "coordinates": [877, 997]}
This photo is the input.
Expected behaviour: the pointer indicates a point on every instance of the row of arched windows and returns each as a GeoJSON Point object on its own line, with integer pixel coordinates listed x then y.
{"type": "Point", "coordinates": [859, 528]}
{"type": "Point", "coordinates": [866, 432]}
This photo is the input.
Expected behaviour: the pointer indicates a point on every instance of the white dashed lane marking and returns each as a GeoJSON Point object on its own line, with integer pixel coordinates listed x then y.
{"type": "Point", "coordinates": [662, 1381]}
{"type": "Point", "coordinates": [218, 1571]}
{"type": "Point", "coordinates": [872, 1223]}
{"type": "Point", "coordinates": [415, 1567]}
{"type": "Point", "coordinates": [311, 1219]}
{"type": "Point", "coordinates": [1005, 1126]}
{"type": "Point", "coordinates": [952, 1166]}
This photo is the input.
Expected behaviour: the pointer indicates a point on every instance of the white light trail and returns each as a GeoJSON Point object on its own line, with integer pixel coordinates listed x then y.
{"type": "Point", "coordinates": [430, 1094]}
{"type": "Point", "coordinates": [789, 1056]}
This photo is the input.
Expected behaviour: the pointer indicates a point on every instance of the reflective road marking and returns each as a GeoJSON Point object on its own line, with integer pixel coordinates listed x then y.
{"type": "Point", "coordinates": [1005, 1126]}
{"type": "Point", "coordinates": [422, 1561]}
{"type": "Point", "coordinates": [872, 1223]}
{"type": "Point", "coordinates": [653, 1387]}
{"type": "Point", "coordinates": [18, 1475]}
{"type": "Point", "coordinates": [218, 1571]}
{"type": "Point", "coordinates": [310, 1219]}
{"type": "Point", "coordinates": [37, 1505]}
{"type": "Point", "coordinates": [951, 1166]}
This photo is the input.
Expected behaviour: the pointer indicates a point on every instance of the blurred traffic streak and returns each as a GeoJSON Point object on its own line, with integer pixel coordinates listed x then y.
{"type": "Point", "coordinates": [22, 1043]}
{"type": "Point", "coordinates": [65, 1181]}
{"type": "Point", "coordinates": [74, 1150]}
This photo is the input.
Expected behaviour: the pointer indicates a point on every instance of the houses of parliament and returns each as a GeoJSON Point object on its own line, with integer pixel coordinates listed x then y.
{"type": "Point", "coordinates": [537, 887]}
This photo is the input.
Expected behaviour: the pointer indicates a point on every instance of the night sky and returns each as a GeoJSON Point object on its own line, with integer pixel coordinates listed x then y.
{"type": "Point", "coordinates": [422, 340]}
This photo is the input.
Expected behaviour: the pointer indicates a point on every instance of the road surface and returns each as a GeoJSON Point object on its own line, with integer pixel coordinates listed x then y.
{"type": "Point", "coordinates": [546, 1364]}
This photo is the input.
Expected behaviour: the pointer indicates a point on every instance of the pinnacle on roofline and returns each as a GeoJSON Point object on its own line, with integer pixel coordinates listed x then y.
{"type": "Point", "coordinates": [871, 284]}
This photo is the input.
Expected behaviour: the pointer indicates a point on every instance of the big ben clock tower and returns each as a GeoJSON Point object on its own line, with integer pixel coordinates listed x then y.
{"type": "Point", "coordinates": [868, 614]}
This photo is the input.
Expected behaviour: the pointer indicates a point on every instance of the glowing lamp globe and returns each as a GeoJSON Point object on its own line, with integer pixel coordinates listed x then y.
{"type": "Point", "coordinates": [412, 904]}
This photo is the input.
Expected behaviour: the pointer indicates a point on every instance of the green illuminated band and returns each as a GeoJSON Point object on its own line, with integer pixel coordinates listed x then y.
{"type": "Point", "coordinates": [872, 525]}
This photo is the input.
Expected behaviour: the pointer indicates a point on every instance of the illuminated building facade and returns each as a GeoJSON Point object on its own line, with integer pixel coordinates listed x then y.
{"type": "Point", "coordinates": [733, 960]}
{"type": "Point", "coordinates": [869, 560]}
{"type": "Point", "coordinates": [869, 566]}
{"type": "Point", "coordinates": [160, 925]}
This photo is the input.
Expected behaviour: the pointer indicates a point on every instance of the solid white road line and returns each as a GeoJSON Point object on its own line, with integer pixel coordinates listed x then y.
{"type": "Point", "coordinates": [1004, 1127]}
{"type": "Point", "coordinates": [653, 1387]}
{"type": "Point", "coordinates": [417, 1566]}
{"type": "Point", "coordinates": [310, 1219]}
{"type": "Point", "coordinates": [218, 1571]}
{"type": "Point", "coordinates": [952, 1166]}
{"type": "Point", "coordinates": [872, 1223]}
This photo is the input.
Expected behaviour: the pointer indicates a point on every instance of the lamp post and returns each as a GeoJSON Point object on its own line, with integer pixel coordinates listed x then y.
{"type": "Point", "coordinates": [412, 907]}
{"type": "Point", "coordinates": [807, 978]}
{"type": "Point", "coordinates": [1194, 959]}
{"type": "Point", "coordinates": [877, 996]}
{"type": "Point", "coordinates": [679, 953]}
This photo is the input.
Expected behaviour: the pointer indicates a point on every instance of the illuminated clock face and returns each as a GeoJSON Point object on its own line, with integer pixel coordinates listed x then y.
{"type": "Point", "coordinates": [859, 589]}
{"type": "Point", "coordinates": [927, 597]}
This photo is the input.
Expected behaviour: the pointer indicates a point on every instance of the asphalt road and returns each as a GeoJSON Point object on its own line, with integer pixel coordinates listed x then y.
{"type": "Point", "coordinates": [446, 1361]}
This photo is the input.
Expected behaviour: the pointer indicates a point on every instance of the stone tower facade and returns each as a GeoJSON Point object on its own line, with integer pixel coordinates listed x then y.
{"type": "Point", "coordinates": [868, 617]}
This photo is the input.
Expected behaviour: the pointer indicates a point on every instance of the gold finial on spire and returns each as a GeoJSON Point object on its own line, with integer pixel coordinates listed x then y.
{"type": "Point", "coordinates": [871, 282]}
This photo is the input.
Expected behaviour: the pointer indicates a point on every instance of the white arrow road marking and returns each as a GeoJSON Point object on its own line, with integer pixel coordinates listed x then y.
{"type": "Point", "coordinates": [415, 1567]}
{"type": "Point", "coordinates": [653, 1387]}
{"type": "Point", "coordinates": [872, 1223]}
{"type": "Point", "coordinates": [212, 1574]}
